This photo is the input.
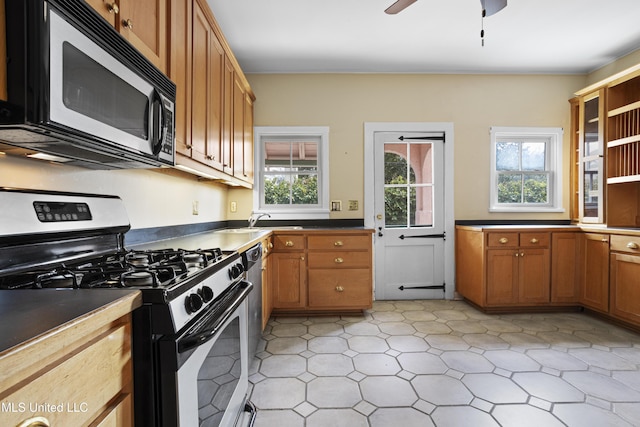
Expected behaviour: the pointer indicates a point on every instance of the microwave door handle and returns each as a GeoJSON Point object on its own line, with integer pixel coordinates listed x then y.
{"type": "Point", "coordinates": [158, 114]}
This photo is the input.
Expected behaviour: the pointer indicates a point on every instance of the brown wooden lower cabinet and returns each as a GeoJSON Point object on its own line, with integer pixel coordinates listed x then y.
{"type": "Point", "coordinates": [501, 269]}
{"type": "Point", "coordinates": [83, 371]}
{"type": "Point", "coordinates": [625, 278]}
{"type": "Point", "coordinates": [321, 271]}
{"type": "Point", "coordinates": [594, 284]}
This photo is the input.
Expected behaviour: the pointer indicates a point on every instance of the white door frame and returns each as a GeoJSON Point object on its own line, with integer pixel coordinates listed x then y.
{"type": "Point", "coordinates": [370, 128]}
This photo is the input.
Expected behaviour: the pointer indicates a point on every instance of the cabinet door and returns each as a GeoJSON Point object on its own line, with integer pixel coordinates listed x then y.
{"type": "Point", "coordinates": [248, 139]}
{"type": "Point", "coordinates": [227, 117]}
{"type": "Point", "coordinates": [591, 158]}
{"type": "Point", "coordinates": [625, 287]}
{"type": "Point", "coordinates": [533, 272]}
{"type": "Point", "coordinates": [502, 276]}
{"type": "Point", "coordinates": [238, 127]}
{"type": "Point", "coordinates": [180, 25]}
{"type": "Point", "coordinates": [594, 287]}
{"type": "Point", "coordinates": [288, 280]}
{"type": "Point", "coordinates": [206, 85]}
{"type": "Point", "coordinates": [144, 24]}
{"type": "Point", "coordinates": [564, 267]}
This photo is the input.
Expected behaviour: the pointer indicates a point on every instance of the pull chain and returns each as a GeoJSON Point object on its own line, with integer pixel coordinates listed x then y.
{"type": "Point", "coordinates": [484, 13]}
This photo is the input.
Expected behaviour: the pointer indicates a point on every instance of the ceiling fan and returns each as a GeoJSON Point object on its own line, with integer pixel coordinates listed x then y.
{"type": "Point", "coordinates": [489, 7]}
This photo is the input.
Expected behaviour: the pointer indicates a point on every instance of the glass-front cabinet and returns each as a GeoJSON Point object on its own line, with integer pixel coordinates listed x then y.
{"type": "Point", "coordinates": [591, 154]}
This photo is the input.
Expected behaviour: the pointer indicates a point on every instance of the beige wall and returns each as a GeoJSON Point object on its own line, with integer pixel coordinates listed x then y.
{"type": "Point", "coordinates": [152, 199]}
{"type": "Point", "coordinates": [473, 103]}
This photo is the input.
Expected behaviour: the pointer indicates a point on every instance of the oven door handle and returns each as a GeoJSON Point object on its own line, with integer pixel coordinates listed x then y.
{"type": "Point", "coordinates": [215, 318]}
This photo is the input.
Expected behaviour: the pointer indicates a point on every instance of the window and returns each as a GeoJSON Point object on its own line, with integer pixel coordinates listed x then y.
{"type": "Point", "coordinates": [292, 165]}
{"type": "Point", "coordinates": [526, 169]}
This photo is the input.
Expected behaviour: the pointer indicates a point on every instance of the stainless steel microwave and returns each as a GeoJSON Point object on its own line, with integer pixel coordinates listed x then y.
{"type": "Point", "coordinates": [76, 89]}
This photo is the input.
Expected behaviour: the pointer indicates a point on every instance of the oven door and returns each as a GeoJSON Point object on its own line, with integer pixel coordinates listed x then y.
{"type": "Point", "coordinates": [204, 370]}
{"type": "Point", "coordinates": [96, 93]}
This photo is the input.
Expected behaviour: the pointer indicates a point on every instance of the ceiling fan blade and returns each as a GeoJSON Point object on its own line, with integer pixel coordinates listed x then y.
{"type": "Point", "coordinates": [399, 6]}
{"type": "Point", "coordinates": [493, 6]}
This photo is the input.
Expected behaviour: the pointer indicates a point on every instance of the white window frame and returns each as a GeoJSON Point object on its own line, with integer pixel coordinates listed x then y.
{"type": "Point", "coordinates": [553, 136]}
{"type": "Point", "coordinates": [320, 211]}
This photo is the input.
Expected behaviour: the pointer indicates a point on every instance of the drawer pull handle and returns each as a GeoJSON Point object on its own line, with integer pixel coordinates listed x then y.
{"type": "Point", "coordinates": [632, 245]}
{"type": "Point", "coordinates": [338, 243]}
{"type": "Point", "coordinates": [288, 243]}
{"type": "Point", "coordinates": [503, 240]}
{"type": "Point", "coordinates": [605, 240]}
{"type": "Point", "coordinates": [35, 422]}
{"type": "Point", "coordinates": [113, 8]}
{"type": "Point", "coordinates": [339, 289]}
{"type": "Point", "coordinates": [534, 240]}
{"type": "Point", "coordinates": [338, 260]}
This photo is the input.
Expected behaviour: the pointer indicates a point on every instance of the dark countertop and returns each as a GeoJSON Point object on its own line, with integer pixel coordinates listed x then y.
{"type": "Point", "coordinates": [30, 313]}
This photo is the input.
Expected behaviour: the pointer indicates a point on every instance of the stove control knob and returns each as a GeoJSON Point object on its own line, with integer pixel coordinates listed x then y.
{"type": "Point", "coordinates": [206, 293]}
{"type": "Point", "coordinates": [235, 271]}
{"type": "Point", "coordinates": [193, 303]}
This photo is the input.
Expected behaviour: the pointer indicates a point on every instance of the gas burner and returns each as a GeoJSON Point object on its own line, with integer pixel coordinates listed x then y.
{"type": "Point", "coordinates": [194, 260]}
{"type": "Point", "coordinates": [138, 278]}
{"type": "Point", "coordinates": [137, 259]}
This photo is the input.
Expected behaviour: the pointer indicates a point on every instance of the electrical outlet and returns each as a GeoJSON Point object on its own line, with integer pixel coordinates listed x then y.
{"type": "Point", "coordinates": [195, 207]}
{"type": "Point", "coordinates": [336, 205]}
{"type": "Point", "coordinates": [234, 206]}
{"type": "Point", "coordinates": [353, 205]}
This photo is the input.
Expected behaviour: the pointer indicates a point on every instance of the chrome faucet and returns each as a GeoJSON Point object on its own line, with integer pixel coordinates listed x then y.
{"type": "Point", "coordinates": [254, 219]}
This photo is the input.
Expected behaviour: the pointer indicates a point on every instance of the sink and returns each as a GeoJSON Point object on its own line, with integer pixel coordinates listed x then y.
{"type": "Point", "coordinates": [247, 230]}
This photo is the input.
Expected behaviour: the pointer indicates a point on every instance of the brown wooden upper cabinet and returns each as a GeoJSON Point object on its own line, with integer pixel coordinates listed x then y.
{"type": "Point", "coordinates": [608, 147]}
{"type": "Point", "coordinates": [214, 105]}
{"type": "Point", "coordinates": [142, 22]}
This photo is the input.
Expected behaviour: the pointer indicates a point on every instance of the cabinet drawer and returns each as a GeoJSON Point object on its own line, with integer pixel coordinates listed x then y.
{"type": "Point", "coordinates": [630, 244]}
{"type": "Point", "coordinates": [340, 242]}
{"type": "Point", "coordinates": [340, 259]}
{"type": "Point", "coordinates": [534, 240]}
{"type": "Point", "coordinates": [79, 385]}
{"type": "Point", "coordinates": [340, 288]}
{"type": "Point", "coordinates": [502, 240]}
{"type": "Point", "coordinates": [288, 242]}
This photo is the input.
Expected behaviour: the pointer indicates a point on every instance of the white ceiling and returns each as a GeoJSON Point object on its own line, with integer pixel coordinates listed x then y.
{"type": "Point", "coordinates": [430, 36]}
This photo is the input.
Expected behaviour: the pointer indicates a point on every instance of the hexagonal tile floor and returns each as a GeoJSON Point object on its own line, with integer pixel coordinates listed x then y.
{"type": "Point", "coordinates": [444, 363]}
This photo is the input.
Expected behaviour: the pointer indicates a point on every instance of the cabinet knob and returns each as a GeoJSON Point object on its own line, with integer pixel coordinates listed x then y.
{"type": "Point", "coordinates": [270, 245]}
{"type": "Point", "coordinates": [288, 243]}
{"type": "Point", "coordinates": [632, 245]}
{"type": "Point", "coordinates": [188, 146]}
{"type": "Point", "coordinates": [503, 240]}
{"type": "Point", "coordinates": [337, 243]}
{"type": "Point", "coordinates": [516, 254]}
{"type": "Point", "coordinates": [113, 8]}
{"type": "Point", "coordinates": [339, 289]}
{"type": "Point", "coordinates": [210, 157]}
{"type": "Point", "coordinates": [127, 23]}
{"type": "Point", "coordinates": [534, 241]}
{"type": "Point", "coordinates": [338, 260]}
{"type": "Point", "coordinates": [301, 258]}
{"type": "Point", "coordinates": [35, 422]}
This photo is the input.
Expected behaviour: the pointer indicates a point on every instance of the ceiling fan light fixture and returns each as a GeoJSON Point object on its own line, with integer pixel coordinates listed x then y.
{"type": "Point", "coordinates": [490, 7]}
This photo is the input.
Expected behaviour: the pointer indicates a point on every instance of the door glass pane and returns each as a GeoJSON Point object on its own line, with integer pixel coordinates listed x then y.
{"type": "Point", "coordinates": [219, 375]}
{"type": "Point", "coordinates": [591, 188]}
{"type": "Point", "coordinates": [395, 207]}
{"type": "Point", "coordinates": [509, 188]}
{"type": "Point", "coordinates": [92, 90]}
{"type": "Point", "coordinates": [590, 125]}
{"type": "Point", "coordinates": [421, 203]}
{"type": "Point", "coordinates": [535, 188]}
{"type": "Point", "coordinates": [395, 164]}
{"type": "Point", "coordinates": [421, 163]}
